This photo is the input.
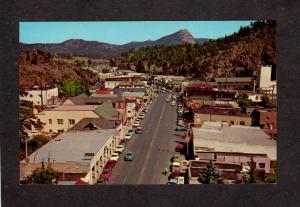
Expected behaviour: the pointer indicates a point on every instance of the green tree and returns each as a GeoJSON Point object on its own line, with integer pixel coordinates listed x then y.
{"type": "Point", "coordinates": [42, 176]}
{"type": "Point", "coordinates": [209, 175]}
{"type": "Point", "coordinates": [112, 62]}
{"type": "Point", "coordinates": [72, 87]}
{"type": "Point", "coordinates": [271, 178]}
{"type": "Point", "coordinates": [250, 177]}
{"type": "Point", "coordinates": [265, 101]}
{"type": "Point", "coordinates": [243, 100]}
{"type": "Point", "coordinates": [140, 67]}
{"type": "Point", "coordinates": [27, 119]}
{"type": "Point", "coordinates": [38, 141]}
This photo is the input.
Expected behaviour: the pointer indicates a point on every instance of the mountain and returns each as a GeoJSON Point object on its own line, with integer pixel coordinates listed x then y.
{"type": "Point", "coordinates": [99, 49]}
{"type": "Point", "coordinates": [238, 54]}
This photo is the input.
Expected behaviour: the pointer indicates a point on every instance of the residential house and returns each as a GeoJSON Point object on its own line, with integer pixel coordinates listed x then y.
{"type": "Point", "coordinates": [64, 117]}
{"type": "Point", "coordinates": [42, 96]}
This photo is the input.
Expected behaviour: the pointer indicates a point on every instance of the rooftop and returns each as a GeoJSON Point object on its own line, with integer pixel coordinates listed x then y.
{"type": "Point", "coordinates": [133, 90]}
{"type": "Point", "coordinates": [72, 146]}
{"type": "Point", "coordinates": [220, 111]}
{"type": "Point", "coordinates": [243, 139]}
{"type": "Point", "coordinates": [233, 79]}
{"type": "Point", "coordinates": [94, 124]}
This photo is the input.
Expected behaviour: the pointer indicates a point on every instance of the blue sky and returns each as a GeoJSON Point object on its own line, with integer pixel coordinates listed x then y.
{"type": "Point", "coordinates": [122, 32]}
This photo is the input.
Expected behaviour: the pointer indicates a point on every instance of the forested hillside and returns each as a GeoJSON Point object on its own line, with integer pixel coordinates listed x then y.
{"type": "Point", "coordinates": [238, 54]}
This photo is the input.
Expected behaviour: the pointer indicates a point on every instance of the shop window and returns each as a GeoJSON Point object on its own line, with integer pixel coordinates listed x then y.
{"type": "Point", "coordinates": [242, 122]}
{"type": "Point", "coordinates": [232, 122]}
{"type": "Point", "coordinates": [261, 165]}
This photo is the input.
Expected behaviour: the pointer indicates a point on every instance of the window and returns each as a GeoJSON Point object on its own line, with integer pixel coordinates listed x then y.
{"type": "Point", "coordinates": [256, 97]}
{"type": "Point", "coordinates": [60, 131]}
{"type": "Point", "coordinates": [242, 122]}
{"type": "Point", "coordinates": [50, 130]}
{"type": "Point", "coordinates": [232, 122]}
{"type": "Point", "coordinates": [268, 117]}
{"type": "Point", "coordinates": [72, 121]}
{"type": "Point", "coordinates": [60, 121]}
{"type": "Point", "coordinates": [50, 121]}
{"type": "Point", "coordinates": [261, 165]}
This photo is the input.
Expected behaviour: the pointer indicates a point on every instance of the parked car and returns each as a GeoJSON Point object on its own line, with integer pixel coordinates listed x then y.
{"type": "Point", "coordinates": [173, 103]}
{"type": "Point", "coordinates": [172, 182]}
{"type": "Point", "coordinates": [136, 124]}
{"type": "Point", "coordinates": [110, 164]}
{"type": "Point", "coordinates": [180, 128]}
{"type": "Point", "coordinates": [131, 132]}
{"type": "Point", "coordinates": [138, 130]}
{"type": "Point", "coordinates": [129, 156]}
{"type": "Point", "coordinates": [142, 116]}
{"type": "Point", "coordinates": [128, 136]}
{"type": "Point", "coordinates": [180, 180]}
{"type": "Point", "coordinates": [120, 148]}
{"type": "Point", "coordinates": [180, 104]}
{"type": "Point", "coordinates": [114, 156]}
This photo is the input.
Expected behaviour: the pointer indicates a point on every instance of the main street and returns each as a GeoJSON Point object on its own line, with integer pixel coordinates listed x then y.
{"type": "Point", "coordinates": [153, 148]}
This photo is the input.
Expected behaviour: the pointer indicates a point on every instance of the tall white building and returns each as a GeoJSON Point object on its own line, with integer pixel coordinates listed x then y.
{"type": "Point", "coordinates": [46, 96]}
{"type": "Point", "coordinates": [263, 80]}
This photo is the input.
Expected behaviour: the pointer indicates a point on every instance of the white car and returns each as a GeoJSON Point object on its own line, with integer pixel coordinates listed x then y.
{"type": "Point", "coordinates": [114, 156]}
{"type": "Point", "coordinates": [173, 103]}
{"type": "Point", "coordinates": [180, 180]}
{"type": "Point", "coordinates": [128, 136]}
{"type": "Point", "coordinates": [136, 124]}
{"type": "Point", "coordinates": [142, 115]}
{"type": "Point", "coordinates": [120, 148]}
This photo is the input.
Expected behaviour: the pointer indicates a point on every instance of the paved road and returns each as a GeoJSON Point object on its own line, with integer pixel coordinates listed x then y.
{"type": "Point", "coordinates": [154, 148]}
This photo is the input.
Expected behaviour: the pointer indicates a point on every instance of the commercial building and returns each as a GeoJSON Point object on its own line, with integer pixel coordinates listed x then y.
{"type": "Point", "coordinates": [234, 83]}
{"type": "Point", "coordinates": [237, 144]}
{"type": "Point", "coordinates": [75, 154]}
{"type": "Point", "coordinates": [232, 116]}
{"type": "Point", "coordinates": [268, 119]}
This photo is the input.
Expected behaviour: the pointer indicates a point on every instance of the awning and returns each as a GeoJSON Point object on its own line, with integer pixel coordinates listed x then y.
{"type": "Point", "coordinates": [80, 182]}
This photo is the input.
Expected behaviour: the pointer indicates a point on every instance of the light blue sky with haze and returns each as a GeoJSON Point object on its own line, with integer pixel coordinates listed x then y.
{"type": "Point", "coordinates": [122, 32]}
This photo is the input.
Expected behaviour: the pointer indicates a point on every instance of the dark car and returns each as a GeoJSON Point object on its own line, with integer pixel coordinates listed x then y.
{"type": "Point", "coordinates": [138, 130]}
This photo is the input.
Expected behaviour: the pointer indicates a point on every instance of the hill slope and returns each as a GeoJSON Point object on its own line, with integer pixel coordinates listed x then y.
{"type": "Point", "coordinates": [238, 54]}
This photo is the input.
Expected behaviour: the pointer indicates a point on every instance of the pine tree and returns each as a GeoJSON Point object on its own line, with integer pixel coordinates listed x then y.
{"type": "Point", "coordinates": [250, 177]}
{"type": "Point", "coordinates": [209, 175]}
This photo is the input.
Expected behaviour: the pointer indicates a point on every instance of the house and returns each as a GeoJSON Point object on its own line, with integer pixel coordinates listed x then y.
{"type": "Point", "coordinates": [131, 84]}
{"type": "Point", "coordinates": [234, 144]}
{"type": "Point", "coordinates": [64, 117]}
{"type": "Point", "coordinates": [264, 80]}
{"type": "Point", "coordinates": [42, 96]}
{"type": "Point", "coordinates": [232, 116]}
{"type": "Point", "coordinates": [118, 102]}
{"type": "Point", "coordinates": [234, 83]}
{"type": "Point", "coordinates": [75, 155]}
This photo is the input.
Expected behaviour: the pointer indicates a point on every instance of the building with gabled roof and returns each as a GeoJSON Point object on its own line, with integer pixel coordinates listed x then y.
{"type": "Point", "coordinates": [64, 117]}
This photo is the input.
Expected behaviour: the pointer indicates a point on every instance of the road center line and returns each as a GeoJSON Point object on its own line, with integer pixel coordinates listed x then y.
{"type": "Point", "coordinates": [151, 144]}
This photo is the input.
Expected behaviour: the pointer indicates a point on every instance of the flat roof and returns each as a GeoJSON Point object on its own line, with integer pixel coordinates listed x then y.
{"type": "Point", "coordinates": [71, 146]}
{"type": "Point", "coordinates": [244, 139]}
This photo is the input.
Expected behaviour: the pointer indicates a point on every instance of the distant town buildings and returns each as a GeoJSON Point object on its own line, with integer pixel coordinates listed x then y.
{"type": "Point", "coordinates": [41, 96]}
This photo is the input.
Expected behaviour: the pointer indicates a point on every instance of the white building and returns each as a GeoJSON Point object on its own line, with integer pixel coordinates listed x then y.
{"type": "Point", "coordinates": [46, 96]}
{"type": "Point", "coordinates": [75, 154]}
{"type": "Point", "coordinates": [220, 137]}
{"type": "Point", "coordinates": [263, 80]}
